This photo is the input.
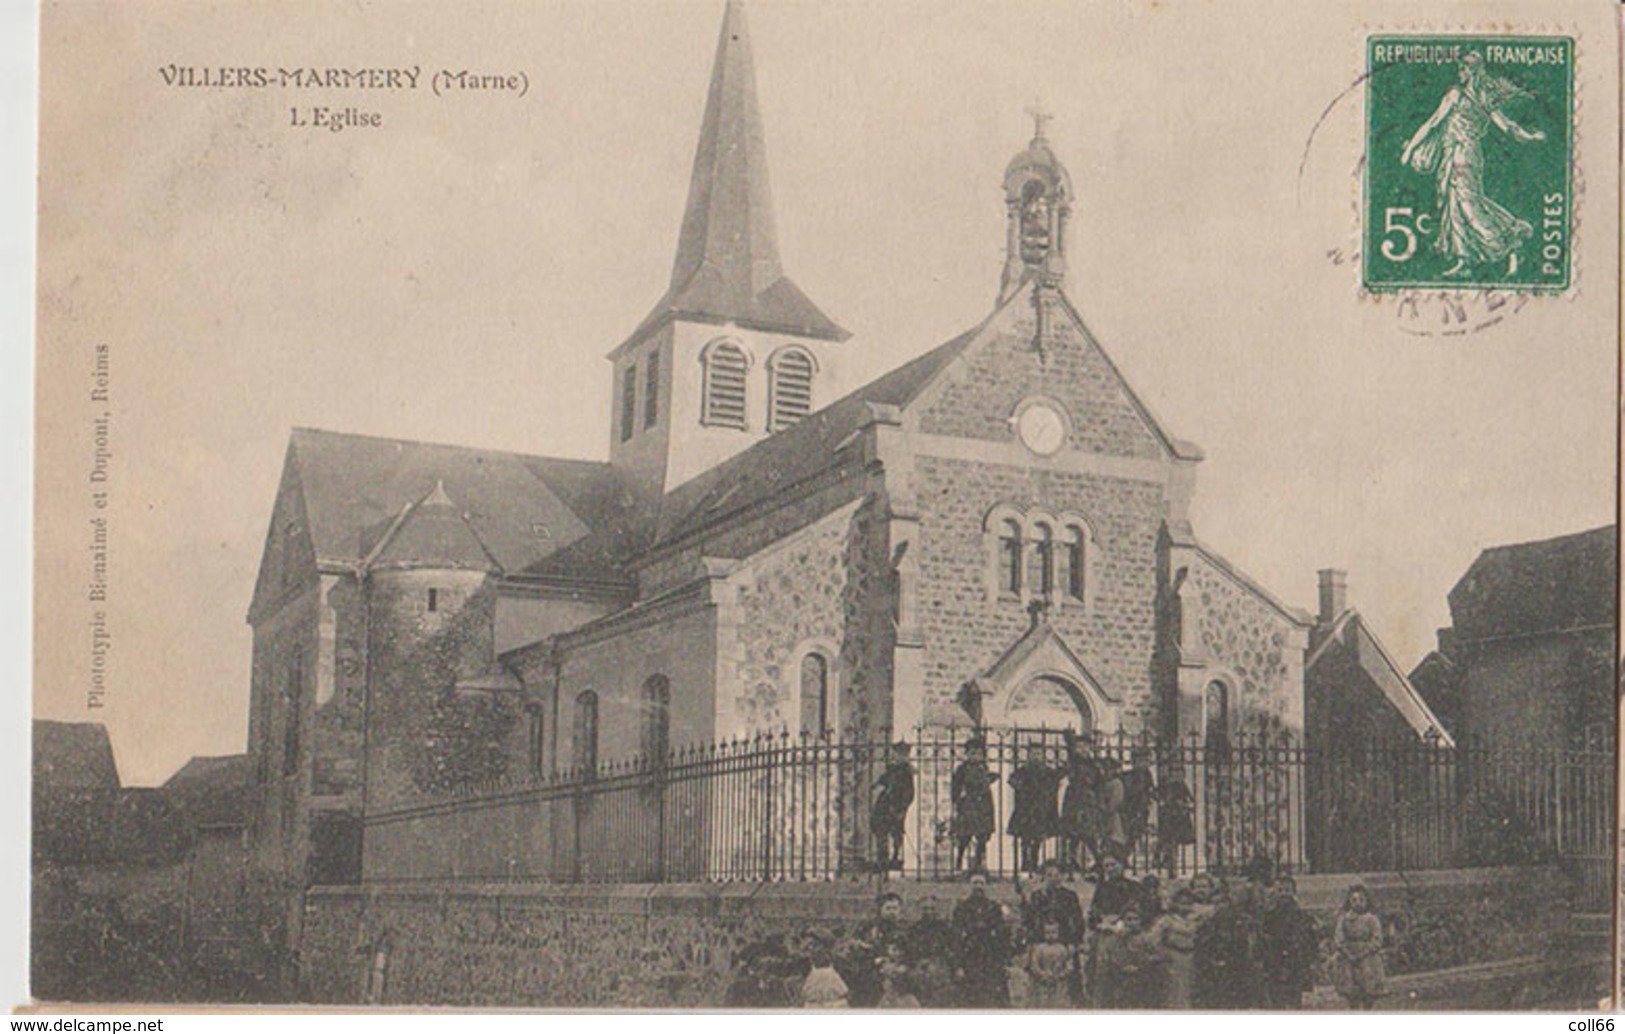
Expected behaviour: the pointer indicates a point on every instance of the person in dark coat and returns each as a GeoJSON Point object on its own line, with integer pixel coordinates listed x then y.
{"type": "Point", "coordinates": [1113, 795]}
{"type": "Point", "coordinates": [971, 790]}
{"type": "Point", "coordinates": [1226, 971]}
{"type": "Point", "coordinates": [873, 943]}
{"type": "Point", "coordinates": [894, 795]}
{"type": "Point", "coordinates": [1081, 823]}
{"type": "Point", "coordinates": [981, 949]}
{"type": "Point", "coordinates": [1176, 828]}
{"type": "Point", "coordinates": [1288, 947]}
{"type": "Point", "coordinates": [1139, 790]}
{"type": "Point", "coordinates": [1034, 818]}
{"type": "Point", "coordinates": [1055, 902]}
{"type": "Point", "coordinates": [1131, 972]}
{"type": "Point", "coordinates": [930, 954]}
{"type": "Point", "coordinates": [1113, 894]}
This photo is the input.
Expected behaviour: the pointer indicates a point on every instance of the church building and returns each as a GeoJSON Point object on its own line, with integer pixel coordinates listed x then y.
{"type": "Point", "coordinates": [995, 534]}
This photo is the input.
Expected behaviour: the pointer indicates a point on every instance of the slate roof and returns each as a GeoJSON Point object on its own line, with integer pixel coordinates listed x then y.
{"type": "Point", "coordinates": [73, 755]}
{"type": "Point", "coordinates": [1528, 588]}
{"type": "Point", "coordinates": [1351, 633]}
{"type": "Point", "coordinates": [431, 533]}
{"type": "Point", "coordinates": [813, 446]}
{"type": "Point", "coordinates": [727, 267]}
{"type": "Point", "coordinates": [213, 791]}
{"type": "Point", "coordinates": [520, 507]}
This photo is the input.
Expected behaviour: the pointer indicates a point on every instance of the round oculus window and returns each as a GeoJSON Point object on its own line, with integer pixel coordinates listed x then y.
{"type": "Point", "coordinates": [1041, 429]}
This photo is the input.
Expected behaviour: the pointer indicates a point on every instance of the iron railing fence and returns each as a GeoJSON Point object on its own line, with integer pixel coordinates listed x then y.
{"type": "Point", "coordinates": [804, 808]}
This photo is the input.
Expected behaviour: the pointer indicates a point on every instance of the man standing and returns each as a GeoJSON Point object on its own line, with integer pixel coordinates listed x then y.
{"type": "Point", "coordinates": [981, 949]}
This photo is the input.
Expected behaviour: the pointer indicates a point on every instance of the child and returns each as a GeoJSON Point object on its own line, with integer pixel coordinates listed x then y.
{"type": "Point", "coordinates": [1358, 971]}
{"type": "Point", "coordinates": [1174, 933]}
{"type": "Point", "coordinates": [823, 988]}
{"type": "Point", "coordinates": [1050, 964]}
{"type": "Point", "coordinates": [894, 979]}
{"type": "Point", "coordinates": [1288, 947]}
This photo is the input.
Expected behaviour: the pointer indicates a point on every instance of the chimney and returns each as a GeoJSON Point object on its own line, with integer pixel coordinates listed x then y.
{"type": "Point", "coordinates": [1334, 594]}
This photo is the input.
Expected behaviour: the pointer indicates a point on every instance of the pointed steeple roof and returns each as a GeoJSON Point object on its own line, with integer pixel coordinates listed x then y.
{"type": "Point", "coordinates": [432, 533]}
{"type": "Point", "coordinates": [727, 268]}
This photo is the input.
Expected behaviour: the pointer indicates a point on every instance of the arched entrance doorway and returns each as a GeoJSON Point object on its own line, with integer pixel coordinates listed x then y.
{"type": "Point", "coordinates": [1049, 702]}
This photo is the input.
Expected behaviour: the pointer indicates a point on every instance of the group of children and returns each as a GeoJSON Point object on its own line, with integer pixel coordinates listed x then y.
{"type": "Point", "coordinates": [1206, 943]}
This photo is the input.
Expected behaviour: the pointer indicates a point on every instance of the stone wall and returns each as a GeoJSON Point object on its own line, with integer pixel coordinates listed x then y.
{"type": "Point", "coordinates": [674, 945]}
{"type": "Point", "coordinates": [1072, 369]}
{"type": "Point", "coordinates": [423, 736]}
{"type": "Point", "coordinates": [965, 631]}
{"type": "Point", "coordinates": [1249, 645]}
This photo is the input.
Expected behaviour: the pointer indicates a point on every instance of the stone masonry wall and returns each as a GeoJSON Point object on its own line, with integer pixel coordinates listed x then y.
{"type": "Point", "coordinates": [1248, 642]}
{"type": "Point", "coordinates": [965, 631]}
{"type": "Point", "coordinates": [1073, 370]}
{"type": "Point", "coordinates": [656, 946]}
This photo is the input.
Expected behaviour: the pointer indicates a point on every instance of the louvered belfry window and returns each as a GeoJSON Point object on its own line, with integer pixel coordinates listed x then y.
{"type": "Point", "coordinates": [629, 401]}
{"type": "Point", "coordinates": [790, 389]}
{"type": "Point", "coordinates": [725, 366]}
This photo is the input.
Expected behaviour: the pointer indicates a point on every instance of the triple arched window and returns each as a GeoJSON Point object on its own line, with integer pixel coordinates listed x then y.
{"type": "Point", "coordinates": [726, 388]}
{"type": "Point", "coordinates": [1037, 555]}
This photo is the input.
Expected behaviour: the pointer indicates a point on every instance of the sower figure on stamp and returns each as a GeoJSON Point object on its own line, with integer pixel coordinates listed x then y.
{"type": "Point", "coordinates": [1034, 818]}
{"type": "Point", "coordinates": [894, 795]}
{"type": "Point", "coordinates": [1472, 229]}
{"type": "Point", "coordinates": [972, 793]}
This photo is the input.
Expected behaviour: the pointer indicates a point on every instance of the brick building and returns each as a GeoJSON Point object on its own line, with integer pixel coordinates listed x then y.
{"type": "Point", "coordinates": [995, 533]}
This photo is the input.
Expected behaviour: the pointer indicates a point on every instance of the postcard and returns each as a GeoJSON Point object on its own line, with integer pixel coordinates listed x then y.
{"type": "Point", "coordinates": [886, 505]}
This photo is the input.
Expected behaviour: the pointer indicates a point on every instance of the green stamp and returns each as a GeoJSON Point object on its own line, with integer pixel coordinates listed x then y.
{"type": "Point", "coordinates": [1469, 146]}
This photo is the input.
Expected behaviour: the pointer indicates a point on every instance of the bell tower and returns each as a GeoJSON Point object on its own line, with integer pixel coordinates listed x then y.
{"type": "Point", "coordinates": [1038, 202]}
{"type": "Point", "coordinates": [734, 351]}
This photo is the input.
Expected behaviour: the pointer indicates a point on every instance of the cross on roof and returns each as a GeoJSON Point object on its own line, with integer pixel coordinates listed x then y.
{"type": "Point", "coordinates": [1041, 116]}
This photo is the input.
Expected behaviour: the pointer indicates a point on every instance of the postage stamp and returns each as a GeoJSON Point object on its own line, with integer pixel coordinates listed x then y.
{"type": "Point", "coordinates": [1469, 171]}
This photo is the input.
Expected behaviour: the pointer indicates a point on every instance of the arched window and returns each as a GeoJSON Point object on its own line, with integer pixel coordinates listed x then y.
{"type": "Point", "coordinates": [1216, 715]}
{"type": "Point", "coordinates": [817, 716]}
{"type": "Point", "coordinates": [535, 741]}
{"type": "Point", "coordinates": [789, 391]}
{"type": "Point", "coordinates": [293, 695]}
{"type": "Point", "coordinates": [1043, 560]}
{"type": "Point", "coordinates": [651, 390]}
{"type": "Point", "coordinates": [1010, 557]}
{"type": "Point", "coordinates": [656, 719]}
{"type": "Point", "coordinates": [1070, 578]}
{"type": "Point", "coordinates": [584, 750]}
{"type": "Point", "coordinates": [629, 400]}
{"type": "Point", "coordinates": [725, 366]}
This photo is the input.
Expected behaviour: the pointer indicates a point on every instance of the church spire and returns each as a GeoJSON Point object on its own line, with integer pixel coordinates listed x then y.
{"type": "Point", "coordinates": [727, 268]}
{"type": "Point", "coordinates": [729, 220]}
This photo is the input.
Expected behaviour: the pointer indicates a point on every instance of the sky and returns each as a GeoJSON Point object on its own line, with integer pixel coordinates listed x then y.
{"type": "Point", "coordinates": [458, 273]}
